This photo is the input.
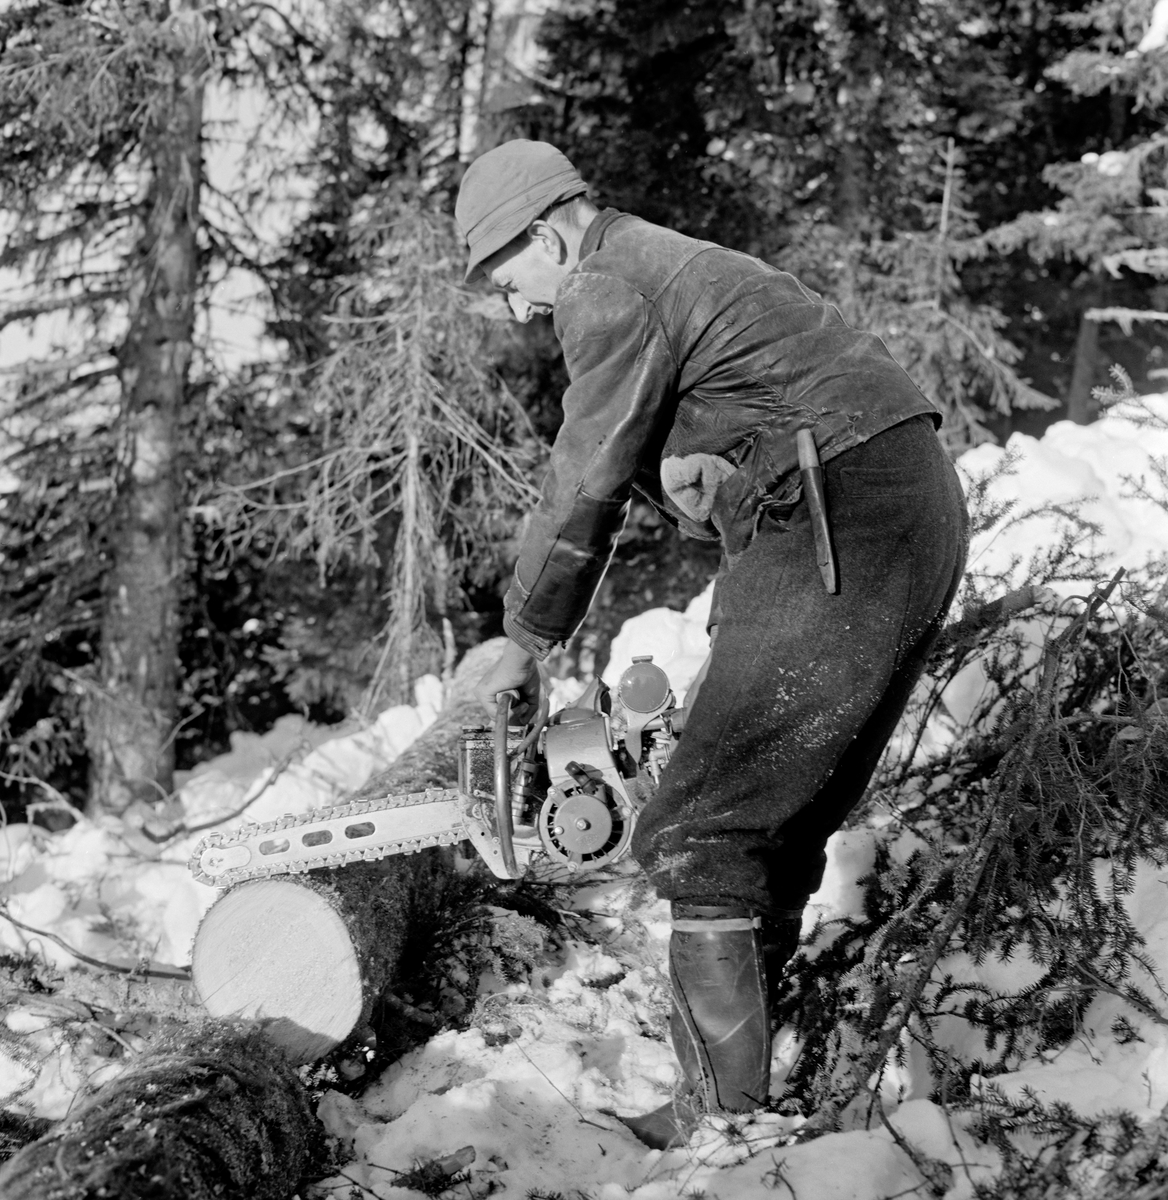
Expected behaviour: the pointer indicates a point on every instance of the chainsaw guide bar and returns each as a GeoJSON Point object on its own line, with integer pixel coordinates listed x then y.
{"type": "Point", "coordinates": [360, 831]}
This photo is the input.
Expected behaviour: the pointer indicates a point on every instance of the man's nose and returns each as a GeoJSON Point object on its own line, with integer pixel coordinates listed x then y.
{"type": "Point", "coordinates": [522, 310]}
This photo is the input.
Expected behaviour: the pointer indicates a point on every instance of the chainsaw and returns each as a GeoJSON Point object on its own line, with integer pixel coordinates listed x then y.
{"type": "Point", "coordinates": [562, 787]}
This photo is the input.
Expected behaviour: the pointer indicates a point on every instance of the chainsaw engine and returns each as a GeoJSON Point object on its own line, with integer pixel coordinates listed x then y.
{"type": "Point", "coordinates": [572, 779]}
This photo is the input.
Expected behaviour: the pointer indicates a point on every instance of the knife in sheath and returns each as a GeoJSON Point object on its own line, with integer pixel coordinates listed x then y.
{"type": "Point", "coordinates": [811, 472]}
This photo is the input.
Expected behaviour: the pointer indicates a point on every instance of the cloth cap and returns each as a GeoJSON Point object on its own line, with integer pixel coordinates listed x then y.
{"type": "Point", "coordinates": [504, 190]}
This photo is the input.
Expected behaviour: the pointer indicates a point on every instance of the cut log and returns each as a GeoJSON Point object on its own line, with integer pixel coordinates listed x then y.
{"type": "Point", "coordinates": [309, 955]}
{"type": "Point", "coordinates": [216, 1111]}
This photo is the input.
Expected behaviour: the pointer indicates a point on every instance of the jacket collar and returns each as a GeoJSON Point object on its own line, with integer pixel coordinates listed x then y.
{"type": "Point", "coordinates": [594, 234]}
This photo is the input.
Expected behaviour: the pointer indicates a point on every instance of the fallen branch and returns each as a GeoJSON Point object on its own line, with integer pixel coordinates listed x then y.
{"type": "Point", "coordinates": [990, 615]}
{"type": "Point", "coordinates": [141, 972]}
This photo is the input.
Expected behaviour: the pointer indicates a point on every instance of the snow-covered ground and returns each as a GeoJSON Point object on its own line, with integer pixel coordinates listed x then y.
{"type": "Point", "coordinates": [533, 1084]}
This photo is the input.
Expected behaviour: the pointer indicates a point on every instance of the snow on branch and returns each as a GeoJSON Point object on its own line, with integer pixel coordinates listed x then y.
{"type": "Point", "coordinates": [1125, 317]}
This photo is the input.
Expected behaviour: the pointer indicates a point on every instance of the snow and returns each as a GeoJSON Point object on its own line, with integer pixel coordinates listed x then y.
{"type": "Point", "coordinates": [1100, 1072]}
{"type": "Point", "coordinates": [536, 1080]}
{"type": "Point", "coordinates": [1157, 31]}
{"type": "Point", "coordinates": [536, 1094]}
{"type": "Point", "coordinates": [1092, 471]}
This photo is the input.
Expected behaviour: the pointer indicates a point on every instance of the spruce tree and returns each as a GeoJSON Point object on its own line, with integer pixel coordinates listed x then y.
{"type": "Point", "coordinates": [1110, 217]}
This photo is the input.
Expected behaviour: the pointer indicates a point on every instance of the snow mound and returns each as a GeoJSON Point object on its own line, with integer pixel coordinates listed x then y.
{"type": "Point", "coordinates": [1096, 472]}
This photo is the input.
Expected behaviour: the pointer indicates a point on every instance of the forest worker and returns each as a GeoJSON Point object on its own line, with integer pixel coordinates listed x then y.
{"type": "Point", "coordinates": [692, 370]}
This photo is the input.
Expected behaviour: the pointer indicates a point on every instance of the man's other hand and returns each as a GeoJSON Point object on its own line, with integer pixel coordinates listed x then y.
{"type": "Point", "coordinates": [515, 670]}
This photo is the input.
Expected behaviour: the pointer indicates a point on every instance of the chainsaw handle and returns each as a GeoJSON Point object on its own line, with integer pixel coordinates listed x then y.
{"type": "Point", "coordinates": [503, 822]}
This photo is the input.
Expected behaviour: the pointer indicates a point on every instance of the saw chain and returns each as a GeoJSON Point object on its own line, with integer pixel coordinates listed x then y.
{"type": "Point", "coordinates": [359, 831]}
{"type": "Point", "coordinates": [560, 788]}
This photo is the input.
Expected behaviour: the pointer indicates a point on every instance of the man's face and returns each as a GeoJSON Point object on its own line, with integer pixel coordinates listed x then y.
{"type": "Point", "coordinates": [528, 272]}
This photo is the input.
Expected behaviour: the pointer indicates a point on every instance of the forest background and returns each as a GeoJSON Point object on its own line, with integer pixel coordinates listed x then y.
{"type": "Point", "coordinates": [261, 452]}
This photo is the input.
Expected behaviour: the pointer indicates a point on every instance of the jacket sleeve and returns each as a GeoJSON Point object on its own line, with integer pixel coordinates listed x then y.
{"type": "Point", "coordinates": [623, 375]}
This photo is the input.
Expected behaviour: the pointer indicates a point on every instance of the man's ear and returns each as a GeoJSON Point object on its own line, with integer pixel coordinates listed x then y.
{"type": "Point", "coordinates": [550, 240]}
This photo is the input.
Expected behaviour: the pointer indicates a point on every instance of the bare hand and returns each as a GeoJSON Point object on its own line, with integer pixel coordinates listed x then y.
{"type": "Point", "coordinates": [515, 670]}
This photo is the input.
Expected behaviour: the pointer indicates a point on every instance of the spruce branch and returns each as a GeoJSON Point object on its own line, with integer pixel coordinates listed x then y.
{"type": "Point", "coordinates": [1061, 811]}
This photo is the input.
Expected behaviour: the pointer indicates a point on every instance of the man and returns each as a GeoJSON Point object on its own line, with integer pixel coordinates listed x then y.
{"type": "Point", "coordinates": [697, 375]}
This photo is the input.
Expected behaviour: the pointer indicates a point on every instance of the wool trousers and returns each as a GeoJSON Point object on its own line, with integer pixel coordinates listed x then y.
{"type": "Point", "coordinates": [803, 688]}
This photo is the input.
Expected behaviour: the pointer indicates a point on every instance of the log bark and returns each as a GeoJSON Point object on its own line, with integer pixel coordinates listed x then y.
{"type": "Point", "coordinates": [432, 761]}
{"type": "Point", "coordinates": [310, 955]}
{"type": "Point", "coordinates": [216, 1111]}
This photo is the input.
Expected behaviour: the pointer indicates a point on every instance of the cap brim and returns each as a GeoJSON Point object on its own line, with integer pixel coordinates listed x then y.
{"type": "Point", "coordinates": [488, 246]}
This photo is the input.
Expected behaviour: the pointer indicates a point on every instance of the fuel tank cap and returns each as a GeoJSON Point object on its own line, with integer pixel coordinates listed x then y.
{"type": "Point", "coordinates": [644, 686]}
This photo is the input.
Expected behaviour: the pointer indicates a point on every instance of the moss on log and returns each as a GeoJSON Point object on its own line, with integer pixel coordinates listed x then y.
{"type": "Point", "coordinates": [214, 1111]}
{"type": "Point", "coordinates": [432, 761]}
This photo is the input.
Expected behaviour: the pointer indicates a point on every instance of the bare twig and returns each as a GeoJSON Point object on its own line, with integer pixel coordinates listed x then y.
{"type": "Point", "coordinates": [936, 1185]}
{"type": "Point", "coordinates": [595, 1124]}
{"type": "Point", "coordinates": [1054, 648]}
{"type": "Point", "coordinates": [277, 771]}
{"type": "Point", "coordinates": [1141, 1005]}
{"type": "Point", "coordinates": [141, 972]}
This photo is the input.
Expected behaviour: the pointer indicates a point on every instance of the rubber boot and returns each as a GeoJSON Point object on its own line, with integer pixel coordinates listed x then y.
{"type": "Point", "coordinates": [720, 1023]}
{"type": "Point", "coordinates": [780, 940]}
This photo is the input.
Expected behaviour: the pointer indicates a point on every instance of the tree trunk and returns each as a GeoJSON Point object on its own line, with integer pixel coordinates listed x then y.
{"type": "Point", "coordinates": [130, 716]}
{"type": "Point", "coordinates": [216, 1111]}
{"type": "Point", "coordinates": [310, 955]}
{"type": "Point", "coordinates": [1081, 405]}
{"type": "Point", "coordinates": [851, 185]}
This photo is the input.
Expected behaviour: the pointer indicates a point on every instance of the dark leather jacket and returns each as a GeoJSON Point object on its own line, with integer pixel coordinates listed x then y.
{"type": "Point", "coordinates": [692, 367]}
